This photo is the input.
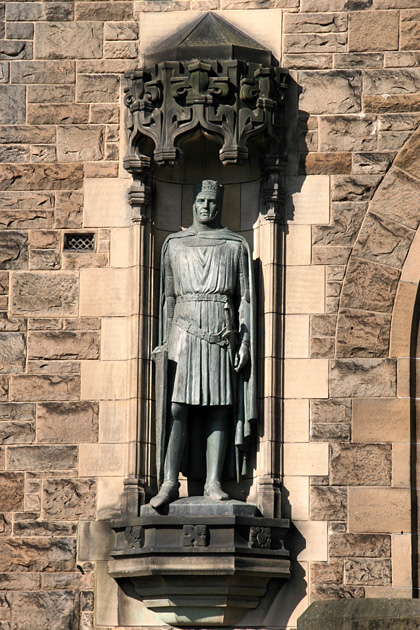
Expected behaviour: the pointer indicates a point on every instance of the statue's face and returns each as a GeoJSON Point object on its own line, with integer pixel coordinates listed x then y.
{"type": "Point", "coordinates": [205, 206]}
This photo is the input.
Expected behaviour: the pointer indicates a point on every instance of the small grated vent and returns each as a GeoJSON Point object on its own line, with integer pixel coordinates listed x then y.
{"type": "Point", "coordinates": [79, 242]}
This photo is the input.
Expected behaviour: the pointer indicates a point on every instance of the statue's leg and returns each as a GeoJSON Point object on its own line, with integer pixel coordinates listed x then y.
{"type": "Point", "coordinates": [217, 443]}
{"type": "Point", "coordinates": [177, 437]}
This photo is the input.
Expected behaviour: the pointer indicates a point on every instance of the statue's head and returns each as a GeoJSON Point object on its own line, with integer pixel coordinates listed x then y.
{"type": "Point", "coordinates": [208, 201]}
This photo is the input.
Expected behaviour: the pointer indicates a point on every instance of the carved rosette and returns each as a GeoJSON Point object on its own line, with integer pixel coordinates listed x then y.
{"type": "Point", "coordinates": [232, 100]}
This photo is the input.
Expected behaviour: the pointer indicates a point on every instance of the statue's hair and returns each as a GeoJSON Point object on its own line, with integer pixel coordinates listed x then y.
{"type": "Point", "coordinates": [210, 185]}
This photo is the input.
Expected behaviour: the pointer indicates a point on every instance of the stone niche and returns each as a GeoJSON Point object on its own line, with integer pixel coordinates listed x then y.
{"type": "Point", "coordinates": [208, 104]}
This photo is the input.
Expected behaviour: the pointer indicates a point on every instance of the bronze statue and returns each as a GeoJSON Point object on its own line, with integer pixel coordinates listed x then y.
{"type": "Point", "coordinates": [207, 352]}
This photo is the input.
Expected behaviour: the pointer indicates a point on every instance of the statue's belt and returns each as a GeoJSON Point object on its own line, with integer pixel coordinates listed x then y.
{"type": "Point", "coordinates": [222, 338]}
{"type": "Point", "coordinates": [204, 297]}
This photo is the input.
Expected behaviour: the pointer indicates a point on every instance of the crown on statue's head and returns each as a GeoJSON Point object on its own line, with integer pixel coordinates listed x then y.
{"type": "Point", "coordinates": [209, 185]}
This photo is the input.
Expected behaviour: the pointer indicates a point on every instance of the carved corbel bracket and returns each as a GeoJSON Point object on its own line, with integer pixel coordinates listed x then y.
{"type": "Point", "coordinates": [233, 100]}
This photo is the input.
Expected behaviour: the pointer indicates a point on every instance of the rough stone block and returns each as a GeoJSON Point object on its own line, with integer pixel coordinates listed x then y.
{"type": "Point", "coordinates": [398, 199]}
{"type": "Point", "coordinates": [316, 43]}
{"type": "Point", "coordinates": [45, 528]}
{"type": "Point", "coordinates": [333, 92]}
{"type": "Point", "coordinates": [374, 30]}
{"type": "Point", "coordinates": [362, 377]}
{"type": "Point", "coordinates": [328, 503]}
{"type": "Point", "coordinates": [17, 432]}
{"type": "Point", "coordinates": [69, 210]}
{"type": "Point", "coordinates": [42, 457]}
{"type": "Point", "coordinates": [391, 81]}
{"type": "Point", "coordinates": [20, 582]}
{"type": "Point", "coordinates": [104, 11]}
{"type": "Point", "coordinates": [384, 104]}
{"type": "Point", "coordinates": [69, 498]}
{"type": "Point", "coordinates": [33, 11]}
{"type": "Point", "coordinates": [362, 334]}
{"type": "Point", "coordinates": [55, 387]}
{"type": "Point", "coordinates": [315, 22]}
{"type": "Point", "coordinates": [41, 293]}
{"type": "Point", "coordinates": [327, 572]}
{"type": "Point", "coordinates": [51, 94]}
{"type": "Point", "coordinates": [40, 176]}
{"type": "Point", "coordinates": [360, 545]}
{"type": "Point", "coordinates": [14, 411]}
{"type": "Point", "coordinates": [369, 286]}
{"type": "Point", "coordinates": [370, 163]}
{"type": "Point", "coordinates": [373, 572]}
{"type": "Point", "coordinates": [11, 491]}
{"type": "Point", "coordinates": [330, 411]}
{"type": "Point", "coordinates": [385, 420]}
{"type": "Point", "coordinates": [358, 60]}
{"type": "Point", "coordinates": [330, 432]}
{"type": "Point", "coordinates": [384, 241]}
{"type": "Point", "coordinates": [10, 153]}
{"type": "Point", "coordinates": [67, 422]}
{"type": "Point", "coordinates": [98, 88]}
{"type": "Point", "coordinates": [20, 30]}
{"type": "Point", "coordinates": [325, 163]}
{"type": "Point", "coordinates": [56, 610]}
{"type": "Point", "coordinates": [12, 219]}
{"type": "Point", "coordinates": [57, 113]}
{"type": "Point", "coordinates": [4, 72]}
{"type": "Point", "coordinates": [44, 259]}
{"type": "Point", "coordinates": [37, 554]}
{"type": "Point", "coordinates": [12, 104]}
{"type": "Point", "coordinates": [410, 29]}
{"type": "Point", "coordinates": [350, 188]}
{"type": "Point", "coordinates": [75, 40]}
{"type": "Point", "coordinates": [121, 31]}
{"type": "Point", "coordinates": [120, 50]}
{"type": "Point", "coordinates": [360, 465]}
{"type": "Point", "coordinates": [63, 345]}
{"type": "Point", "coordinates": [408, 159]}
{"type": "Point", "coordinates": [14, 49]}
{"type": "Point", "coordinates": [78, 143]}
{"type": "Point", "coordinates": [347, 133]}
{"type": "Point", "coordinates": [346, 220]}
{"type": "Point", "coordinates": [13, 250]}
{"type": "Point", "coordinates": [43, 72]}
{"type": "Point", "coordinates": [12, 352]}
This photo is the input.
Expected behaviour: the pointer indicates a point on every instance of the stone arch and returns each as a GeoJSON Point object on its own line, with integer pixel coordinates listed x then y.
{"type": "Point", "coordinates": [378, 317]}
{"type": "Point", "coordinates": [377, 258]}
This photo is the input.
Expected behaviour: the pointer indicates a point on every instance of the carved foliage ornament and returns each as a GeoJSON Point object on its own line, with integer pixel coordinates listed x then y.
{"type": "Point", "coordinates": [234, 100]}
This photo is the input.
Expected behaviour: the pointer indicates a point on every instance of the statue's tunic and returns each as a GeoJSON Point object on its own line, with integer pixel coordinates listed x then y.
{"type": "Point", "coordinates": [205, 284]}
{"type": "Point", "coordinates": [207, 291]}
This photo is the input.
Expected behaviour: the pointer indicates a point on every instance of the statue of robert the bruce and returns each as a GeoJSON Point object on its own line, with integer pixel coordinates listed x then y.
{"type": "Point", "coordinates": [207, 329]}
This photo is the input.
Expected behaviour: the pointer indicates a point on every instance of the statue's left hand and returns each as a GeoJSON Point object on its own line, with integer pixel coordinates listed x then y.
{"type": "Point", "coordinates": [242, 357]}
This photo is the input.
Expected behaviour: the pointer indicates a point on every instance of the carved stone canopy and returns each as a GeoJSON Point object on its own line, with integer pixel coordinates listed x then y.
{"type": "Point", "coordinates": [209, 77]}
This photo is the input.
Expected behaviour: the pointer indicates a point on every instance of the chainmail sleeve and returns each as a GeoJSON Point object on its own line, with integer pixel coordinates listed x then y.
{"type": "Point", "coordinates": [244, 305]}
{"type": "Point", "coordinates": [169, 294]}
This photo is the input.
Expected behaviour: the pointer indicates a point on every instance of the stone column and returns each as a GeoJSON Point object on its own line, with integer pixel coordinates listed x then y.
{"type": "Point", "coordinates": [139, 430]}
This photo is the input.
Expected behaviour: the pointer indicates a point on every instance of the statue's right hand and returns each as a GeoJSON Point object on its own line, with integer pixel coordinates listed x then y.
{"type": "Point", "coordinates": [158, 350]}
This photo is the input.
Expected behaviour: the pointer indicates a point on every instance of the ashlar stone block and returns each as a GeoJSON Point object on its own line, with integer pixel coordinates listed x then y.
{"type": "Point", "coordinates": [381, 420]}
{"type": "Point", "coordinates": [73, 40]}
{"type": "Point", "coordinates": [373, 30]}
{"type": "Point", "coordinates": [379, 510]}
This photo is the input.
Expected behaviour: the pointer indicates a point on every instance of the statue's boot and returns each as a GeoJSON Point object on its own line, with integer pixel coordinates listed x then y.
{"type": "Point", "coordinates": [169, 491]}
{"type": "Point", "coordinates": [213, 490]}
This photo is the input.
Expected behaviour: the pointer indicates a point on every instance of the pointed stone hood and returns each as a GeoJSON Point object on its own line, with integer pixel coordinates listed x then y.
{"type": "Point", "coordinates": [209, 37]}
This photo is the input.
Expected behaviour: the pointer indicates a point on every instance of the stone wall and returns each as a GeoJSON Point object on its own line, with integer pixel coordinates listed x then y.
{"type": "Point", "coordinates": [68, 319]}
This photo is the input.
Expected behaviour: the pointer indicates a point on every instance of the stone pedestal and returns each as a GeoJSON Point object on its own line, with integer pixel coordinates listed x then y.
{"type": "Point", "coordinates": [203, 562]}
